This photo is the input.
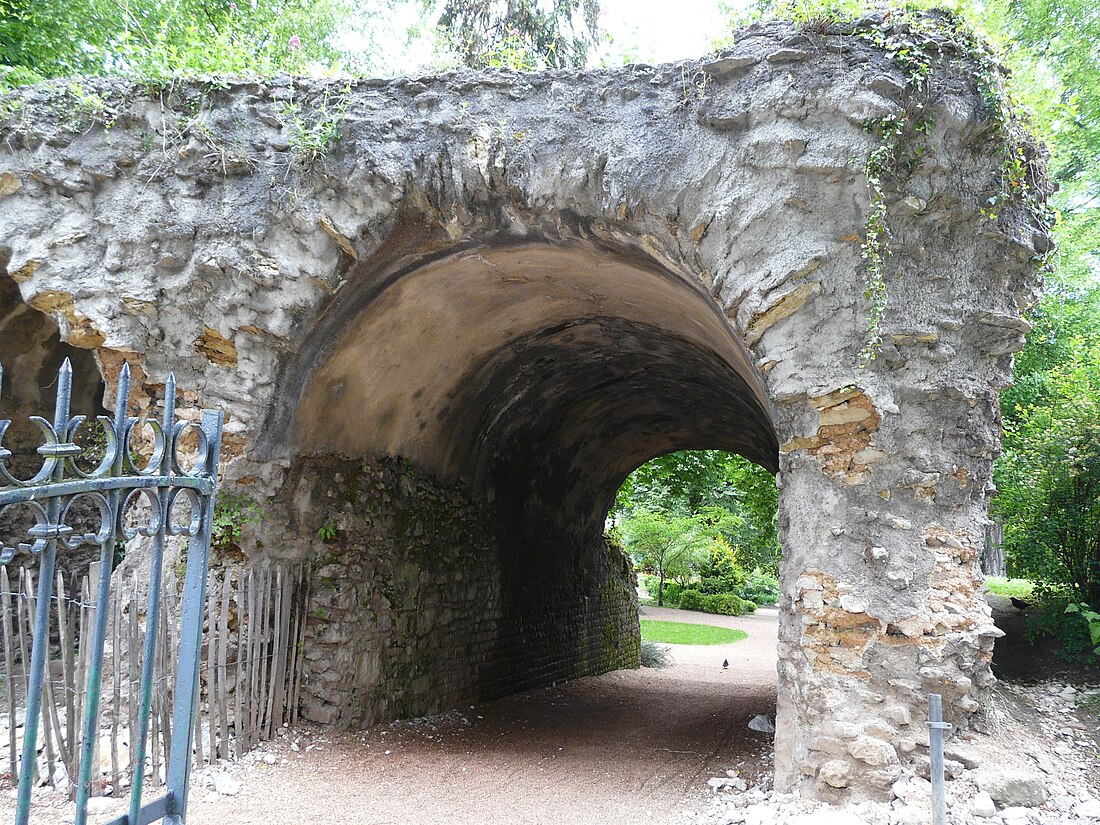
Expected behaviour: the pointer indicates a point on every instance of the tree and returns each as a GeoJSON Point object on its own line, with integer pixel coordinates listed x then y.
{"type": "Point", "coordinates": [1049, 474]}
{"type": "Point", "coordinates": [738, 498]}
{"type": "Point", "coordinates": [520, 34]}
{"type": "Point", "coordinates": [152, 39]}
{"type": "Point", "coordinates": [667, 545]}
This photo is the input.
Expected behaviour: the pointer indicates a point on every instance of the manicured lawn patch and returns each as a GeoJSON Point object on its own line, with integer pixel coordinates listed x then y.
{"type": "Point", "coordinates": [1020, 588]}
{"type": "Point", "coordinates": [681, 633]}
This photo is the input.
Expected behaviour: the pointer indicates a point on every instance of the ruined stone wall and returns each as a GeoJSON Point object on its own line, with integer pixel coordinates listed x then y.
{"type": "Point", "coordinates": [532, 283]}
{"type": "Point", "coordinates": [414, 609]}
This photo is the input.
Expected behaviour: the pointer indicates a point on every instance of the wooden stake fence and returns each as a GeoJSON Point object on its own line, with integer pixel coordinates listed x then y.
{"type": "Point", "coordinates": [251, 670]}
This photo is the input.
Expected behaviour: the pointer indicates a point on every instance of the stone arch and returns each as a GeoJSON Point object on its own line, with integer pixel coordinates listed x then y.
{"type": "Point", "coordinates": [438, 357]}
{"type": "Point", "coordinates": [726, 186]}
{"type": "Point", "coordinates": [31, 350]}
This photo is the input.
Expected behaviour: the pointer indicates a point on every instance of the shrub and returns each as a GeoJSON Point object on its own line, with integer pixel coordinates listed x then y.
{"type": "Point", "coordinates": [722, 604]}
{"type": "Point", "coordinates": [713, 584]}
{"type": "Point", "coordinates": [1091, 619]}
{"type": "Point", "coordinates": [1055, 616]}
{"type": "Point", "coordinates": [720, 572]}
{"type": "Point", "coordinates": [691, 599]}
{"type": "Point", "coordinates": [727, 604]}
{"type": "Point", "coordinates": [672, 590]}
{"type": "Point", "coordinates": [655, 655]}
{"type": "Point", "coordinates": [761, 587]}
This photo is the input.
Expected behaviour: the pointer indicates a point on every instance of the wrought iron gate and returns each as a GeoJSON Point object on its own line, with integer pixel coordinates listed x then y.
{"type": "Point", "coordinates": [121, 478]}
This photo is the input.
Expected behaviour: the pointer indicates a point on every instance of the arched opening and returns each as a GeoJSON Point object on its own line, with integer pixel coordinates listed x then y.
{"type": "Point", "coordinates": [702, 530]}
{"type": "Point", "coordinates": [31, 351]}
{"type": "Point", "coordinates": [521, 383]}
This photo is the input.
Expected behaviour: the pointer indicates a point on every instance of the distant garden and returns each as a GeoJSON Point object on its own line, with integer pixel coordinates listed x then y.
{"type": "Point", "coordinates": [701, 525]}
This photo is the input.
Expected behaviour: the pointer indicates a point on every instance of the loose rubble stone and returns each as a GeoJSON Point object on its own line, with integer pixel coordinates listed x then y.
{"type": "Point", "coordinates": [761, 724]}
{"type": "Point", "coordinates": [225, 785]}
{"type": "Point", "coordinates": [1013, 788]}
{"type": "Point", "coordinates": [1089, 809]}
{"type": "Point", "coordinates": [983, 805]}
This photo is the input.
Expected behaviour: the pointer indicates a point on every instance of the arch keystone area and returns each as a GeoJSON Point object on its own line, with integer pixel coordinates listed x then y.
{"type": "Point", "coordinates": [450, 338]}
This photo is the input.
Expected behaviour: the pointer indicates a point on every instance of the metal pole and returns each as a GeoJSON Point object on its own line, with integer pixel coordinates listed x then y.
{"type": "Point", "coordinates": [56, 451]}
{"type": "Point", "coordinates": [152, 620]}
{"type": "Point", "coordinates": [936, 728]}
{"type": "Point", "coordinates": [186, 696]}
{"type": "Point", "coordinates": [103, 597]}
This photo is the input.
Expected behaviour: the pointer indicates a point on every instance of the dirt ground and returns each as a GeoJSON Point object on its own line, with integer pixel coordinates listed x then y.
{"type": "Point", "coordinates": [625, 747]}
{"type": "Point", "coordinates": [1019, 658]}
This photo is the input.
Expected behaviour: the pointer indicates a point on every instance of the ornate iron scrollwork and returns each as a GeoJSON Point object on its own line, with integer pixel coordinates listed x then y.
{"type": "Point", "coordinates": [106, 497]}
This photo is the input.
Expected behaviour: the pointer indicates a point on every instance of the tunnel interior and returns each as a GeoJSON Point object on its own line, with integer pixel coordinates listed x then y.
{"type": "Point", "coordinates": [31, 352]}
{"type": "Point", "coordinates": [534, 378]}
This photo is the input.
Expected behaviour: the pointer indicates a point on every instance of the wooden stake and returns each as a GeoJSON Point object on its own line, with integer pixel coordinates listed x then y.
{"type": "Point", "coordinates": [9, 672]}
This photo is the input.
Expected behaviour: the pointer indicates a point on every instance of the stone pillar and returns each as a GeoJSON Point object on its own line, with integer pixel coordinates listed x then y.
{"type": "Point", "coordinates": [880, 579]}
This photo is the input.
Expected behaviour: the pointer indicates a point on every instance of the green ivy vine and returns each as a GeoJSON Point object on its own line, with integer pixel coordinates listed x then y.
{"type": "Point", "coordinates": [913, 42]}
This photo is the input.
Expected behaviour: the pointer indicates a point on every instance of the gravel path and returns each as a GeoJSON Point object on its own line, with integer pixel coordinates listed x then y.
{"type": "Point", "coordinates": [626, 747]}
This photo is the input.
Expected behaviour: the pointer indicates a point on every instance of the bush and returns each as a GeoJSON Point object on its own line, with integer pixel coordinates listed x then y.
{"type": "Point", "coordinates": [691, 599]}
{"type": "Point", "coordinates": [727, 604]}
{"type": "Point", "coordinates": [761, 587]}
{"type": "Point", "coordinates": [672, 593]}
{"type": "Point", "coordinates": [1092, 619]}
{"type": "Point", "coordinates": [1053, 616]}
{"type": "Point", "coordinates": [713, 584]}
{"type": "Point", "coordinates": [672, 590]}
{"type": "Point", "coordinates": [655, 655]}
{"type": "Point", "coordinates": [721, 604]}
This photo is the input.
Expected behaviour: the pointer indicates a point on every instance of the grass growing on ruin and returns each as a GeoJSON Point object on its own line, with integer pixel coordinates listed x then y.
{"type": "Point", "coordinates": [681, 633]}
{"type": "Point", "coordinates": [1020, 588]}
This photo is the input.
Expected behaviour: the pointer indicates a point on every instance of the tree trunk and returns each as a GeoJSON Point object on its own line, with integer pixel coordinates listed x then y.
{"type": "Point", "coordinates": [993, 554]}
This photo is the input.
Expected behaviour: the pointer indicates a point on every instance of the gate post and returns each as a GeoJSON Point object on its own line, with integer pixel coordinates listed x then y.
{"type": "Point", "coordinates": [111, 487]}
{"type": "Point", "coordinates": [194, 600]}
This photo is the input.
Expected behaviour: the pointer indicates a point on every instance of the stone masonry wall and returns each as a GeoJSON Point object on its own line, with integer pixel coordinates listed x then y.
{"type": "Point", "coordinates": [412, 610]}
{"type": "Point", "coordinates": [181, 228]}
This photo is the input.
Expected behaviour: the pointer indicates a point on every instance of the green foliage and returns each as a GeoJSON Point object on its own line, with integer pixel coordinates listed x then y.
{"type": "Point", "coordinates": [671, 592]}
{"type": "Point", "coordinates": [691, 599]}
{"type": "Point", "coordinates": [760, 587]}
{"type": "Point", "coordinates": [719, 571]}
{"type": "Point", "coordinates": [312, 131]}
{"type": "Point", "coordinates": [729, 496]}
{"type": "Point", "coordinates": [666, 545]}
{"type": "Point", "coordinates": [1091, 618]}
{"type": "Point", "coordinates": [231, 512]}
{"type": "Point", "coordinates": [1052, 617]}
{"type": "Point", "coordinates": [722, 604]}
{"type": "Point", "coordinates": [327, 531]}
{"type": "Point", "coordinates": [655, 655]}
{"type": "Point", "coordinates": [683, 633]}
{"type": "Point", "coordinates": [727, 604]}
{"type": "Point", "coordinates": [1020, 588]}
{"type": "Point", "coordinates": [157, 40]}
{"type": "Point", "coordinates": [1049, 475]}
{"type": "Point", "coordinates": [519, 34]}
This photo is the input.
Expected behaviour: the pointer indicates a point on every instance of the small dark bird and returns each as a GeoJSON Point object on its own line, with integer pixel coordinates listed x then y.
{"type": "Point", "coordinates": [1019, 604]}
{"type": "Point", "coordinates": [725, 663]}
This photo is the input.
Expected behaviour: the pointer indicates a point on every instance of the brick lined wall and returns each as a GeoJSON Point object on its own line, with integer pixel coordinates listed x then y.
{"type": "Point", "coordinates": [418, 604]}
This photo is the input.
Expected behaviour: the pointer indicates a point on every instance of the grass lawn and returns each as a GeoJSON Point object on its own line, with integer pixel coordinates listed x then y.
{"type": "Point", "coordinates": [1020, 588]}
{"type": "Point", "coordinates": [680, 633]}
